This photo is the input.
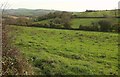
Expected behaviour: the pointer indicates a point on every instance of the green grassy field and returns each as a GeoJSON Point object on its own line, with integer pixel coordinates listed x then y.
{"type": "Point", "coordinates": [68, 52]}
{"type": "Point", "coordinates": [83, 21]}
{"type": "Point", "coordinates": [97, 14]}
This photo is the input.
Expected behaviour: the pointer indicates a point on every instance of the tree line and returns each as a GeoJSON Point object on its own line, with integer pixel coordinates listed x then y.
{"type": "Point", "coordinates": [62, 20]}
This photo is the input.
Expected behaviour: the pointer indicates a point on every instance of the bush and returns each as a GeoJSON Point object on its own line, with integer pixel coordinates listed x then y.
{"type": "Point", "coordinates": [52, 25]}
{"type": "Point", "coordinates": [18, 21]}
{"type": "Point", "coordinates": [10, 21]}
{"type": "Point", "coordinates": [105, 25]}
{"type": "Point", "coordinates": [67, 25]}
{"type": "Point", "coordinates": [95, 26]}
{"type": "Point", "coordinates": [84, 27]}
{"type": "Point", "coordinates": [23, 21]}
{"type": "Point", "coordinates": [89, 28]}
{"type": "Point", "coordinates": [45, 25]}
{"type": "Point", "coordinates": [115, 27]}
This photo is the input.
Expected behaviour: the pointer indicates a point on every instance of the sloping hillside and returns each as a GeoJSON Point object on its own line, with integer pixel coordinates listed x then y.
{"type": "Point", "coordinates": [68, 52]}
{"type": "Point", "coordinates": [28, 12]}
{"type": "Point", "coordinates": [102, 13]}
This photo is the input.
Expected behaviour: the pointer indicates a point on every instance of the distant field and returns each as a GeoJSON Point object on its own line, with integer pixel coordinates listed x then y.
{"type": "Point", "coordinates": [52, 51]}
{"type": "Point", "coordinates": [83, 21]}
{"type": "Point", "coordinates": [28, 12]}
{"type": "Point", "coordinates": [96, 14]}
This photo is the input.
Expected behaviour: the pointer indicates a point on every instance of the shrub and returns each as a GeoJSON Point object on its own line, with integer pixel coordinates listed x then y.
{"type": "Point", "coordinates": [89, 28]}
{"type": "Point", "coordinates": [23, 21]}
{"type": "Point", "coordinates": [105, 25]}
{"type": "Point", "coordinates": [95, 26]}
{"type": "Point", "coordinates": [67, 25]}
{"type": "Point", "coordinates": [115, 27]}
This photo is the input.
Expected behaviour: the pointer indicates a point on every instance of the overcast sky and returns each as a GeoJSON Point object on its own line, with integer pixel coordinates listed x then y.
{"type": "Point", "coordinates": [64, 5]}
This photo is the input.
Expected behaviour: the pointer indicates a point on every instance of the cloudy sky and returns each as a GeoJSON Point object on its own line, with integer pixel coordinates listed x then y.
{"type": "Point", "coordinates": [64, 5]}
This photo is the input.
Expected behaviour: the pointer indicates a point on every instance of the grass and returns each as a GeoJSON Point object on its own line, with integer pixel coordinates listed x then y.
{"type": "Point", "coordinates": [96, 14]}
{"type": "Point", "coordinates": [83, 21]}
{"type": "Point", "coordinates": [65, 52]}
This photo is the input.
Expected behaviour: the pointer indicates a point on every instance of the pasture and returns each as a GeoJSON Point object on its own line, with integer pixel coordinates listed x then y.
{"type": "Point", "coordinates": [83, 21]}
{"type": "Point", "coordinates": [103, 13]}
{"type": "Point", "coordinates": [68, 52]}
